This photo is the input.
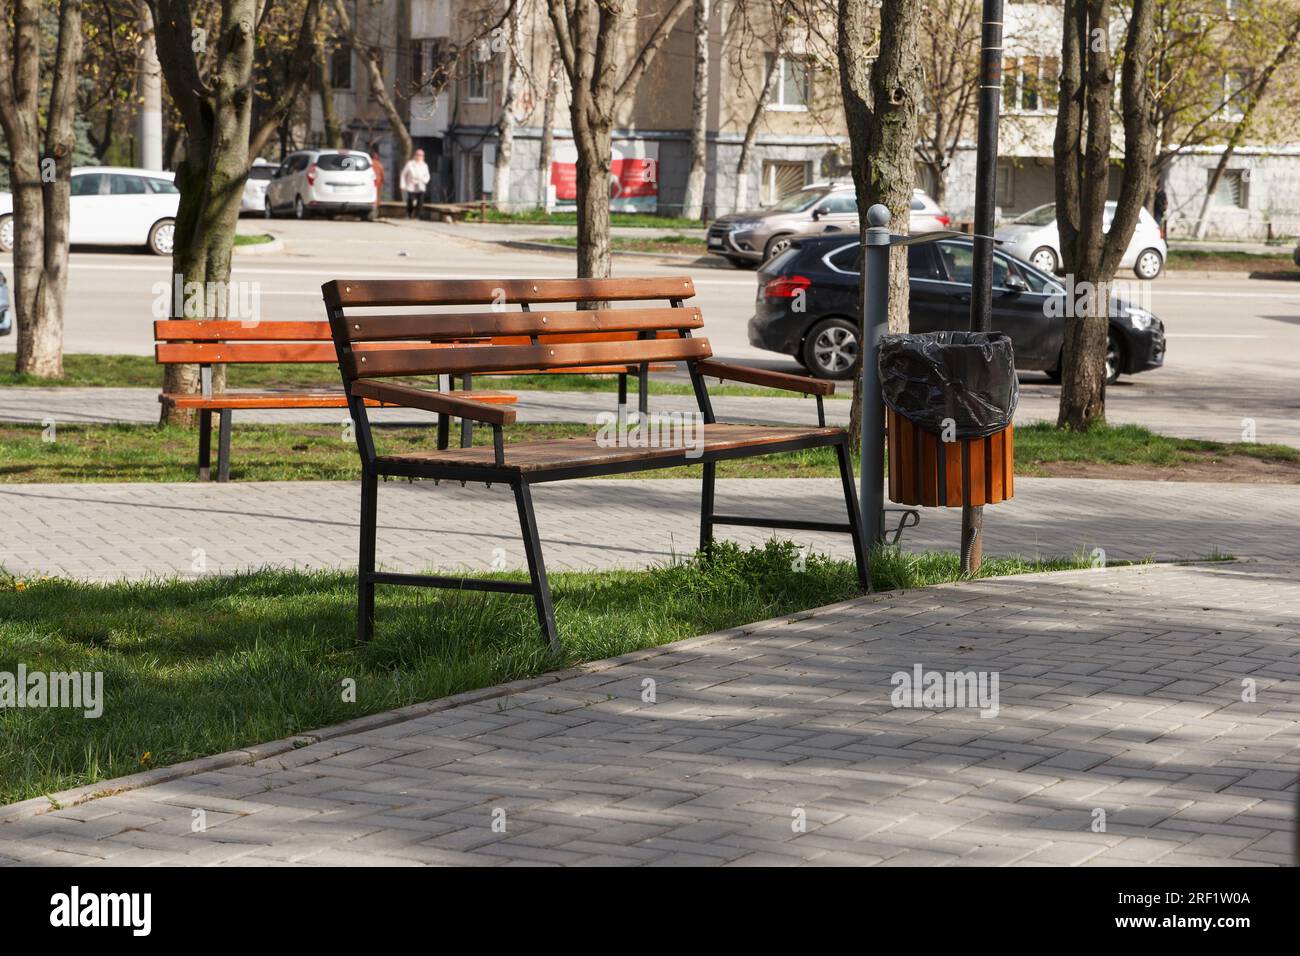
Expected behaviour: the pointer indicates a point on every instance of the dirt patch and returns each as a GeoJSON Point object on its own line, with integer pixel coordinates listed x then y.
{"type": "Point", "coordinates": [1256, 266]}
{"type": "Point", "coordinates": [1224, 468]}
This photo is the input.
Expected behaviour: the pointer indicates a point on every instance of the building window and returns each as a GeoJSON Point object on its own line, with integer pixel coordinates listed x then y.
{"type": "Point", "coordinates": [1233, 191]}
{"type": "Point", "coordinates": [476, 81]}
{"type": "Point", "coordinates": [793, 84]}
{"type": "Point", "coordinates": [780, 178]}
{"type": "Point", "coordinates": [341, 67]}
{"type": "Point", "coordinates": [1030, 84]}
{"type": "Point", "coordinates": [1236, 86]}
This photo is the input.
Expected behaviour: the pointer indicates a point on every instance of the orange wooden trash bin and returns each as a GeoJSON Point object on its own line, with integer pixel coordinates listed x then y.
{"type": "Point", "coordinates": [925, 470]}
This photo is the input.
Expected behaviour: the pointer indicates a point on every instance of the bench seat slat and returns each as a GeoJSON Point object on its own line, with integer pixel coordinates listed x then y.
{"type": "Point", "coordinates": [430, 360]}
{"type": "Point", "coordinates": [584, 451]}
{"type": "Point", "coordinates": [253, 400]}
{"type": "Point", "coordinates": [383, 293]}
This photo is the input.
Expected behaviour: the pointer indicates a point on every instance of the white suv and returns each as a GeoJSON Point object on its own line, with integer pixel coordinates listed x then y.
{"type": "Point", "coordinates": [322, 181]}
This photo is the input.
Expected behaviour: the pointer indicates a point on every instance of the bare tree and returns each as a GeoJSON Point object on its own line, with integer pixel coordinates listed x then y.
{"type": "Point", "coordinates": [548, 128]}
{"type": "Point", "coordinates": [1089, 252]}
{"type": "Point", "coordinates": [372, 58]}
{"type": "Point", "coordinates": [41, 184]}
{"type": "Point", "coordinates": [950, 58]}
{"type": "Point", "coordinates": [325, 90]}
{"type": "Point", "coordinates": [209, 73]}
{"type": "Point", "coordinates": [1243, 125]}
{"type": "Point", "coordinates": [591, 36]}
{"type": "Point", "coordinates": [693, 202]}
{"type": "Point", "coordinates": [880, 77]}
{"type": "Point", "coordinates": [745, 159]}
{"type": "Point", "coordinates": [512, 88]}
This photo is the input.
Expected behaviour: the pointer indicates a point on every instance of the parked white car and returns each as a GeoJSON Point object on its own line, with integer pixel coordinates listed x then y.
{"type": "Point", "coordinates": [114, 206]}
{"type": "Point", "coordinates": [6, 222]}
{"type": "Point", "coordinates": [6, 311]}
{"type": "Point", "coordinates": [259, 176]}
{"type": "Point", "coordinates": [322, 182]}
{"type": "Point", "coordinates": [1033, 237]}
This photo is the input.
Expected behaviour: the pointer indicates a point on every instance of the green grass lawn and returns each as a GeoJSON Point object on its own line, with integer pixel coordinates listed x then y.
{"type": "Point", "coordinates": [648, 220]}
{"type": "Point", "coordinates": [1231, 261]}
{"type": "Point", "coordinates": [141, 371]}
{"type": "Point", "coordinates": [196, 667]}
{"type": "Point", "coordinates": [672, 244]}
{"type": "Point", "coordinates": [257, 240]}
{"type": "Point", "coordinates": [99, 453]}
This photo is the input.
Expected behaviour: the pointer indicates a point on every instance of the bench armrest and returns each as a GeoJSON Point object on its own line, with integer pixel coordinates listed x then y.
{"type": "Point", "coordinates": [393, 394]}
{"type": "Point", "coordinates": [761, 376]}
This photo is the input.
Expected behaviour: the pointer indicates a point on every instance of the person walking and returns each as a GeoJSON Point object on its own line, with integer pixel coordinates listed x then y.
{"type": "Point", "coordinates": [377, 165]}
{"type": "Point", "coordinates": [414, 181]}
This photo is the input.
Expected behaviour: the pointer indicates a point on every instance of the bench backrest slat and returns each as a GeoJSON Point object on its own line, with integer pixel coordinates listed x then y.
{"type": "Point", "coordinates": [496, 338]}
{"type": "Point", "coordinates": [384, 293]}
{"type": "Point", "coordinates": [223, 330]}
{"type": "Point", "coordinates": [464, 325]}
{"type": "Point", "coordinates": [432, 360]}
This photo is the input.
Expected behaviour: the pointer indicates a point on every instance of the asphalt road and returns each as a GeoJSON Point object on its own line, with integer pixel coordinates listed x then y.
{"type": "Point", "coordinates": [1234, 343]}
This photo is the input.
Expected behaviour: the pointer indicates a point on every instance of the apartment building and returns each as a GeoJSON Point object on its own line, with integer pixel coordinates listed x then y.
{"type": "Point", "coordinates": [454, 110]}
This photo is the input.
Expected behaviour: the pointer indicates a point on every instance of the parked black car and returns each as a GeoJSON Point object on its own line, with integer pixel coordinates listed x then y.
{"type": "Point", "coordinates": [808, 301]}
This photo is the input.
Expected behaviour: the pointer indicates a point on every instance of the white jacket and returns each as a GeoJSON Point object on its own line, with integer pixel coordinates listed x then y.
{"type": "Point", "coordinates": [415, 177]}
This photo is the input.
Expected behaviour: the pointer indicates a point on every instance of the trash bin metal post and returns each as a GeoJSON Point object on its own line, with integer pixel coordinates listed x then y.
{"type": "Point", "coordinates": [981, 300]}
{"type": "Point", "coordinates": [875, 320]}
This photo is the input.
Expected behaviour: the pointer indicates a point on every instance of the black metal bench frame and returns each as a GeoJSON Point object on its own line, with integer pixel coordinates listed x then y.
{"type": "Point", "coordinates": [374, 467]}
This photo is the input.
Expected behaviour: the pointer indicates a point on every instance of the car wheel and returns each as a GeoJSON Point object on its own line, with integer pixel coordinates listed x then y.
{"type": "Point", "coordinates": [1149, 264]}
{"type": "Point", "coordinates": [1044, 259]}
{"type": "Point", "coordinates": [1114, 358]}
{"type": "Point", "coordinates": [162, 237]}
{"type": "Point", "coordinates": [830, 349]}
{"type": "Point", "coordinates": [775, 246]}
{"type": "Point", "coordinates": [299, 210]}
{"type": "Point", "coordinates": [1054, 375]}
{"type": "Point", "coordinates": [267, 211]}
{"type": "Point", "coordinates": [6, 233]}
{"type": "Point", "coordinates": [372, 214]}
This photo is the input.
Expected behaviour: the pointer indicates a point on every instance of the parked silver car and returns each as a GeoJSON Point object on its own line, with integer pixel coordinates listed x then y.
{"type": "Point", "coordinates": [1033, 236]}
{"type": "Point", "coordinates": [327, 182]}
{"type": "Point", "coordinates": [749, 238]}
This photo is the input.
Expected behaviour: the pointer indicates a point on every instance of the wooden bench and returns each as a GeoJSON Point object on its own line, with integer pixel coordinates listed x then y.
{"type": "Point", "coordinates": [214, 342]}
{"type": "Point", "coordinates": [545, 338]}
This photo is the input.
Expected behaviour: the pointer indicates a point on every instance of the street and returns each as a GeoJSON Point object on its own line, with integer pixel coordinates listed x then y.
{"type": "Point", "coordinates": [1231, 363]}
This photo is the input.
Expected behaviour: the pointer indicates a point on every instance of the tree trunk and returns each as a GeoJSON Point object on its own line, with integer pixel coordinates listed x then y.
{"type": "Point", "coordinates": [751, 129]}
{"type": "Point", "coordinates": [588, 34]}
{"type": "Point", "coordinates": [693, 203]}
{"type": "Point", "coordinates": [329, 117]}
{"type": "Point", "coordinates": [881, 99]}
{"type": "Point", "coordinates": [218, 119]}
{"type": "Point", "coordinates": [375, 72]}
{"type": "Point", "coordinates": [1083, 167]}
{"type": "Point", "coordinates": [548, 131]}
{"type": "Point", "coordinates": [41, 185]}
{"type": "Point", "coordinates": [513, 84]}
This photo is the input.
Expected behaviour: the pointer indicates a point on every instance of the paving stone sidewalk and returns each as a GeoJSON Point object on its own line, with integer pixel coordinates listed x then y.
{"type": "Point", "coordinates": [1183, 413]}
{"type": "Point", "coordinates": [109, 531]}
{"type": "Point", "coordinates": [1120, 694]}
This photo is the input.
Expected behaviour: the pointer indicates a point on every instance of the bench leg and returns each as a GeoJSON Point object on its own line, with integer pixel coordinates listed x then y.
{"type": "Point", "coordinates": [205, 445]}
{"type": "Point", "coordinates": [643, 391]}
{"type": "Point", "coordinates": [366, 559]}
{"type": "Point", "coordinates": [622, 389]}
{"type": "Point", "coordinates": [706, 507]}
{"type": "Point", "coordinates": [536, 566]}
{"type": "Point", "coordinates": [855, 516]}
{"type": "Point", "coordinates": [444, 425]}
{"type": "Point", "coordinates": [223, 446]}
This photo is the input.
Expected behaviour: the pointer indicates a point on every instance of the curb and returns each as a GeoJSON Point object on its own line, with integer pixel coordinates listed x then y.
{"type": "Point", "coordinates": [63, 799]}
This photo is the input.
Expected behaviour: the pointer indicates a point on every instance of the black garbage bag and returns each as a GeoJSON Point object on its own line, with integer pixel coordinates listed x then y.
{"type": "Point", "coordinates": [969, 377]}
